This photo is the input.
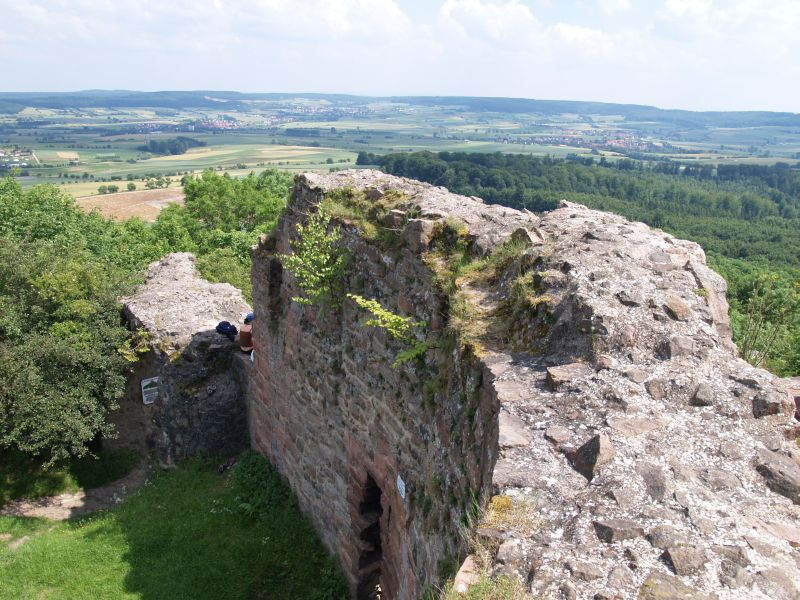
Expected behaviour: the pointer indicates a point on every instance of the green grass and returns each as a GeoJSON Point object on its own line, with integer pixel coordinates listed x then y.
{"type": "Point", "coordinates": [24, 477]}
{"type": "Point", "coordinates": [501, 588]}
{"type": "Point", "coordinates": [189, 534]}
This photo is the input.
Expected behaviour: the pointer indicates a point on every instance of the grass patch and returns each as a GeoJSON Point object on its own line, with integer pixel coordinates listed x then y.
{"type": "Point", "coordinates": [467, 282]}
{"type": "Point", "coordinates": [517, 513]}
{"type": "Point", "coordinates": [186, 535]}
{"type": "Point", "coordinates": [489, 588]}
{"type": "Point", "coordinates": [22, 476]}
{"type": "Point", "coordinates": [369, 215]}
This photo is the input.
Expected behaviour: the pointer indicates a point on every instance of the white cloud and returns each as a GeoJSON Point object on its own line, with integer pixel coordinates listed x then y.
{"type": "Point", "coordinates": [614, 6]}
{"type": "Point", "coordinates": [701, 53]}
{"type": "Point", "coordinates": [688, 8]}
{"type": "Point", "coordinates": [503, 22]}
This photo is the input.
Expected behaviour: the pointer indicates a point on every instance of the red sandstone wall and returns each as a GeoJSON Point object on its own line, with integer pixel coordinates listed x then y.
{"type": "Point", "coordinates": [329, 410]}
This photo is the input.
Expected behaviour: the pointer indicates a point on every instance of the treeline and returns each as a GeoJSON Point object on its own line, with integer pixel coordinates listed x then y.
{"type": "Point", "coordinates": [64, 349]}
{"type": "Point", "coordinates": [742, 218]}
{"type": "Point", "coordinates": [173, 146]}
{"type": "Point", "coordinates": [745, 217]}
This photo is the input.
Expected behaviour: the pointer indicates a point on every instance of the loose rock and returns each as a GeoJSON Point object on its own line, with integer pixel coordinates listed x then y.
{"type": "Point", "coordinates": [677, 308]}
{"type": "Point", "coordinates": [595, 453]}
{"type": "Point", "coordinates": [703, 396]}
{"type": "Point", "coordinates": [666, 536]}
{"type": "Point", "coordinates": [659, 586]}
{"type": "Point", "coordinates": [615, 530]}
{"type": "Point", "coordinates": [781, 474]}
{"type": "Point", "coordinates": [766, 403]}
{"type": "Point", "coordinates": [559, 376]}
{"type": "Point", "coordinates": [685, 561]}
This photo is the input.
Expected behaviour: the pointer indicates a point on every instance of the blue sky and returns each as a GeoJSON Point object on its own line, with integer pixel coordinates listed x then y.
{"type": "Point", "coordinates": [695, 54]}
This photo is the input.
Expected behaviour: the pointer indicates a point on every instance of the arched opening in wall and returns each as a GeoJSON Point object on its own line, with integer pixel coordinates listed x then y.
{"type": "Point", "coordinates": [370, 559]}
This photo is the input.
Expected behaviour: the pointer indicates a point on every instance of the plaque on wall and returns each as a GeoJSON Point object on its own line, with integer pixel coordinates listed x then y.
{"type": "Point", "coordinates": [149, 390]}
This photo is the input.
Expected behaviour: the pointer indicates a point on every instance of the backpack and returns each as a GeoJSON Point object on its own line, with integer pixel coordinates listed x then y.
{"type": "Point", "coordinates": [226, 329]}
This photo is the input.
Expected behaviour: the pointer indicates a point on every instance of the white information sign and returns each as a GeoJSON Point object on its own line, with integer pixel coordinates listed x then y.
{"type": "Point", "coordinates": [149, 390]}
{"type": "Point", "coordinates": [401, 487]}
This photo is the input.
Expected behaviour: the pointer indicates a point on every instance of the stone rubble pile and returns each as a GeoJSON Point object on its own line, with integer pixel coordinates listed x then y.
{"type": "Point", "coordinates": [663, 466]}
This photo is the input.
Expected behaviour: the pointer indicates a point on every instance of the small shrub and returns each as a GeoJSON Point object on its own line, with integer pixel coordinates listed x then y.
{"type": "Point", "coordinates": [318, 261]}
{"type": "Point", "coordinates": [259, 488]}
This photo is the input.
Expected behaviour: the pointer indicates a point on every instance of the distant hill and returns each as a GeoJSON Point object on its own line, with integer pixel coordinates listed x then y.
{"type": "Point", "coordinates": [13, 102]}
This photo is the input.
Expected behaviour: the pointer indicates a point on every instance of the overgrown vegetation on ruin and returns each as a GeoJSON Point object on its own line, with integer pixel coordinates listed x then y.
{"type": "Point", "coordinates": [64, 352]}
{"type": "Point", "coordinates": [189, 534]}
{"type": "Point", "coordinates": [319, 261]}
{"type": "Point", "coordinates": [502, 512]}
{"type": "Point", "coordinates": [490, 297]}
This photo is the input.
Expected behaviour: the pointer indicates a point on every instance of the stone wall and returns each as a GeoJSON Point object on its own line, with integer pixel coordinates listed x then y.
{"type": "Point", "coordinates": [200, 406]}
{"type": "Point", "coordinates": [333, 414]}
{"type": "Point", "coordinates": [630, 452]}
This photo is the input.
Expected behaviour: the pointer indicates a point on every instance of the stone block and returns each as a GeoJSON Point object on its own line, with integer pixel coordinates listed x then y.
{"type": "Point", "coordinates": [685, 560]}
{"type": "Point", "coordinates": [595, 453]}
{"type": "Point", "coordinates": [781, 474]}
{"type": "Point", "coordinates": [615, 530]}
{"type": "Point", "coordinates": [558, 377]}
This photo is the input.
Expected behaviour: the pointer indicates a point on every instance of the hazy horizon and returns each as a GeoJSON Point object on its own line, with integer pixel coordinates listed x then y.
{"type": "Point", "coordinates": [703, 55]}
{"type": "Point", "coordinates": [379, 97]}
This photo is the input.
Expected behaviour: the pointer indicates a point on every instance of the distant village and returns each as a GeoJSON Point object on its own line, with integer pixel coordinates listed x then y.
{"type": "Point", "coordinates": [16, 157]}
{"type": "Point", "coordinates": [617, 141]}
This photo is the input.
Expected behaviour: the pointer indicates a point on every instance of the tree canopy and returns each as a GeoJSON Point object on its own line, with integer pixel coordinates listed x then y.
{"type": "Point", "coordinates": [64, 349]}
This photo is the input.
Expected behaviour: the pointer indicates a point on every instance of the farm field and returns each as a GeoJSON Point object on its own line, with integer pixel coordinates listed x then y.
{"type": "Point", "coordinates": [83, 147]}
{"type": "Point", "coordinates": [144, 204]}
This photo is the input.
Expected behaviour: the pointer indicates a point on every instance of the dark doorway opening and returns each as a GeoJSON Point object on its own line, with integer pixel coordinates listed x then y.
{"type": "Point", "coordinates": [370, 559]}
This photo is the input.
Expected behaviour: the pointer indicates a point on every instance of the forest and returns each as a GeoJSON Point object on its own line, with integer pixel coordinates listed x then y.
{"type": "Point", "coordinates": [744, 216]}
{"type": "Point", "coordinates": [172, 146]}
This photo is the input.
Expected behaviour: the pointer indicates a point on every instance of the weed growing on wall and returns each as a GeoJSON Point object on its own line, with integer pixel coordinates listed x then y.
{"type": "Point", "coordinates": [318, 261]}
{"type": "Point", "coordinates": [398, 327]}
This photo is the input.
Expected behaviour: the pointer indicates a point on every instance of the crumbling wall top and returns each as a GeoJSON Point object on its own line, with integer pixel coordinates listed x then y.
{"type": "Point", "coordinates": [175, 303]}
{"type": "Point", "coordinates": [489, 224]}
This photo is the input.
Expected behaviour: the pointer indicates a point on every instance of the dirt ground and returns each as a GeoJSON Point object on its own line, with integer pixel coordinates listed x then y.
{"type": "Point", "coordinates": [65, 506]}
{"type": "Point", "coordinates": [145, 204]}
